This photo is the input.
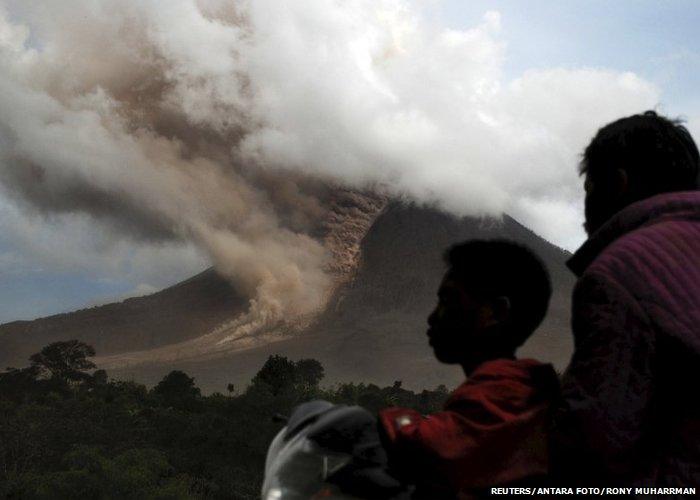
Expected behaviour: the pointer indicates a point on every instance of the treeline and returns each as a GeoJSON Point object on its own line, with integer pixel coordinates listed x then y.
{"type": "Point", "coordinates": [69, 431]}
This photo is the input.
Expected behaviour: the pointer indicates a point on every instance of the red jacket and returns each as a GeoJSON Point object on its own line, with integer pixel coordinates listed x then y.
{"type": "Point", "coordinates": [632, 413]}
{"type": "Point", "coordinates": [491, 432]}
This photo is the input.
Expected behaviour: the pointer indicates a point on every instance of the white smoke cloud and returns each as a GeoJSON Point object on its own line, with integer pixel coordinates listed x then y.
{"type": "Point", "coordinates": [369, 92]}
{"type": "Point", "coordinates": [199, 123]}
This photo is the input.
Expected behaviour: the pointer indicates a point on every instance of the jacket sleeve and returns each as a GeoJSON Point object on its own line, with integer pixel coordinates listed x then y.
{"type": "Point", "coordinates": [428, 447]}
{"type": "Point", "coordinates": [607, 389]}
{"type": "Point", "coordinates": [440, 435]}
{"type": "Point", "coordinates": [474, 442]}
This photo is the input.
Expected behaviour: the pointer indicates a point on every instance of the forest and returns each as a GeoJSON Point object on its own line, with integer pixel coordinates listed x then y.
{"type": "Point", "coordinates": [68, 430]}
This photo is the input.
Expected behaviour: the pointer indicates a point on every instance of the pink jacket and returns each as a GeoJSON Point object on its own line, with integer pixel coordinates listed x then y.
{"type": "Point", "coordinates": [632, 390]}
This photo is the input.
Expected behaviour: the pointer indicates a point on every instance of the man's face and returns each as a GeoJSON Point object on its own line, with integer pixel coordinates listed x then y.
{"type": "Point", "coordinates": [604, 198]}
{"type": "Point", "coordinates": [456, 322]}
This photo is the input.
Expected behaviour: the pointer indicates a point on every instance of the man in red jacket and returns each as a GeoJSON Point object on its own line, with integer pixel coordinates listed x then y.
{"type": "Point", "coordinates": [631, 413]}
{"type": "Point", "coordinates": [492, 430]}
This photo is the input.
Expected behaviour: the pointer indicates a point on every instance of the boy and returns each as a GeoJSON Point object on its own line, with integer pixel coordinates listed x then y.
{"type": "Point", "coordinates": [493, 427]}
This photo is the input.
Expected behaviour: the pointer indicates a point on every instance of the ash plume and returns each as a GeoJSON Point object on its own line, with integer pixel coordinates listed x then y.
{"type": "Point", "coordinates": [226, 124]}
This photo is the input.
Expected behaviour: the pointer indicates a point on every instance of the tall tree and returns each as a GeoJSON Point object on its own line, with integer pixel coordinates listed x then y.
{"type": "Point", "coordinates": [309, 373]}
{"type": "Point", "coordinates": [177, 385]}
{"type": "Point", "coordinates": [281, 375]}
{"type": "Point", "coordinates": [66, 360]}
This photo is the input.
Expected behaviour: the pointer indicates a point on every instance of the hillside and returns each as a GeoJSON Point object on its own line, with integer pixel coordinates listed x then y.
{"type": "Point", "coordinates": [177, 313]}
{"type": "Point", "coordinates": [373, 328]}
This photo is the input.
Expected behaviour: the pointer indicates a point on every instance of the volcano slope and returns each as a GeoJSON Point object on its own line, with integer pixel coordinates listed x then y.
{"type": "Point", "coordinates": [197, 316]}
{"type": "Point", "coordinates": [177, 313]}
{"type": "Point", "coordinates": [371, 330]}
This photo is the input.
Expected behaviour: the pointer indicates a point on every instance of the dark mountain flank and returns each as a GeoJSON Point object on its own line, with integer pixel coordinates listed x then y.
{"type": "Point", "coordinates": [177, 313]}
{"type": "Point", "coordinates": [372, 329]}
{"type": "Point", "coordinates": [379, 320]}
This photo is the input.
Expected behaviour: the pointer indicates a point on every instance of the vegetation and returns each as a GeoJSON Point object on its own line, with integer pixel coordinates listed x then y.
{"type": "Point", "coordinates": [67, 431]}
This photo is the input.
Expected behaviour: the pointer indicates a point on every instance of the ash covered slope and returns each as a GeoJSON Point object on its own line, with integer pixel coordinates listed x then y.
{"type": "Point", "coordinates": [191, 318]}
{"type": "Point", "coordinates": [373, 328]}
{"type": "Point", "coordinates": [178, 313]}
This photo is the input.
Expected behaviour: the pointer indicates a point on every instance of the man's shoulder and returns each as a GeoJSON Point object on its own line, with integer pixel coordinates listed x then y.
{"type": "Point", "coordinates": [653, 230]}
{"type": "Point", "coordinates": [641, 254]}
{"type": "Point", "coordinates": [503, 369]}
{"type": "Point", "coordinates": [510, 384]}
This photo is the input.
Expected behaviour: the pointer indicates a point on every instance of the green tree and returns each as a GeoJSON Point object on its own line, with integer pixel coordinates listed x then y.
{"type": "Point", "coordinates": [66, 361]}
{"type": "Point", "coordinates": [18, 383]}
{"type": "Point", "coordinates": [280, 375]}
{"type": "Point", "coordinates": [309, 373]}
{"type": "Point", "coordinates": [99, 377]}
{"type": "Point", "coordinates": [177, 387]}
{"type": "Point", "coordinates": [277, 374]}
{"type": "Point", "coordinates": [108, 438]}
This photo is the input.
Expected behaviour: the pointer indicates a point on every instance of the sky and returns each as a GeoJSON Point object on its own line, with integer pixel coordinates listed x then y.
{"type": "Point", "coordinates": [480, 106]}
{"type": "Point", "coordinates": [656, 40]}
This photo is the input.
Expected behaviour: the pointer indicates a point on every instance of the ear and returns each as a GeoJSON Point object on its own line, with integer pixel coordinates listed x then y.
{"type": "Point", "coordinates": [501, 309]}
{"type": "Point", "coordinates": [497, 311]}
{"type": "Point", "coordinates": [621, 181]}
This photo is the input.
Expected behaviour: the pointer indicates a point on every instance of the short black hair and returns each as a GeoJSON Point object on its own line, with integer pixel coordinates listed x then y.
{"type": "Point", "coordinates": [658, 153]}
{"type": "Point", "coordinates": [500, 268]}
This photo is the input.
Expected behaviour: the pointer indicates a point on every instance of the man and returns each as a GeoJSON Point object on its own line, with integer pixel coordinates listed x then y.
{"type": "Point", "coordinates": [632, 413]}
{"type": "Point", "coordinates": [493, 427]}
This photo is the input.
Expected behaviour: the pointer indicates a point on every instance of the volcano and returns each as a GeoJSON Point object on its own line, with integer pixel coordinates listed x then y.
{"type": "Point", "coordinates": [386, 264]}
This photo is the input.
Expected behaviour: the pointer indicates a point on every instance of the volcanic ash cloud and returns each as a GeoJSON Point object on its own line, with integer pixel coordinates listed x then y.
{"type": "Point", "coordinates": [223, 124]}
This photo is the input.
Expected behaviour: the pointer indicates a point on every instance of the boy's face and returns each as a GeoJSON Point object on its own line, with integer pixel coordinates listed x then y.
{"type": "Point", "coordinates": [457, 324]}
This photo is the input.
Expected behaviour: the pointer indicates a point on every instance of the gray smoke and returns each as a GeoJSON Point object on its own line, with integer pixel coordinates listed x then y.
{"type": "Point", "coordinates": [220, 125]}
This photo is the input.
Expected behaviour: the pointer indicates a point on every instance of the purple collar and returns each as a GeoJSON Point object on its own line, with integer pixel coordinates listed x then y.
{"type": "Point", "coordinates": [682, 205]}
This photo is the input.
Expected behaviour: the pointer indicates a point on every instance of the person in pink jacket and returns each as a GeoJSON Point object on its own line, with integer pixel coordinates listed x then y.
{"type": "Point", "coordinates": [631, 412]}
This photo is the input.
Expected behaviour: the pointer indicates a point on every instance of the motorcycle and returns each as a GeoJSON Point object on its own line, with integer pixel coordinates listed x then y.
{"type": "Point", "coordinates": [328, 451]}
